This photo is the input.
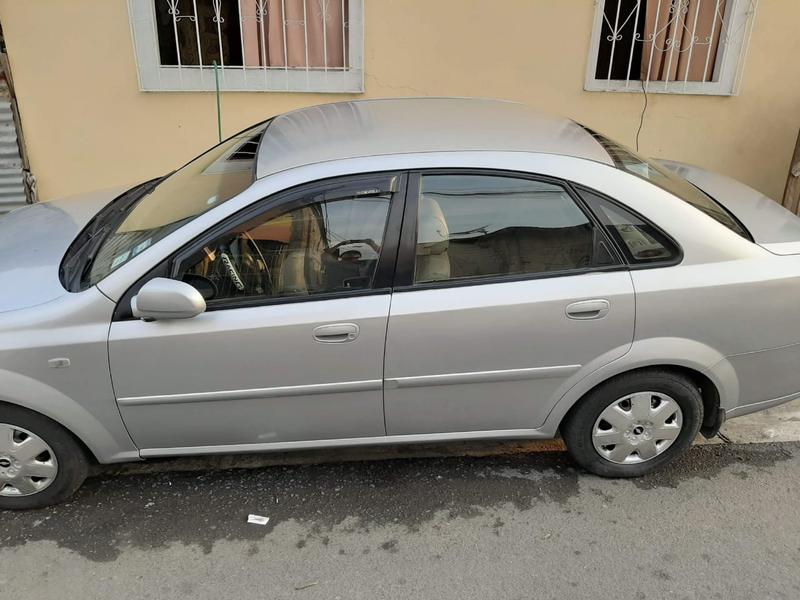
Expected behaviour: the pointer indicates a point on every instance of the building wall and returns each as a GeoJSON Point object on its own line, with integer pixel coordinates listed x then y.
{"type": "Point", "coordinates": [88, 126]}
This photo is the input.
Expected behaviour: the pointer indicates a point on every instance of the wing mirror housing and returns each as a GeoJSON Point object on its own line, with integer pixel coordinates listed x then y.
{"type": "Point", "coordinates": [162, 298]}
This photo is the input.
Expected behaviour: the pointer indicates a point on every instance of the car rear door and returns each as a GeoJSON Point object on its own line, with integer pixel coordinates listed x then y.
{"type": "Point", "coordinates": [507, 292]}
{"type": "Point", "coordinates": [290, 348]}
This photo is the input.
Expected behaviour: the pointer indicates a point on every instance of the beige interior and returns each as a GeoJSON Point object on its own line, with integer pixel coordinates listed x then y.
{"type": "Point", "coordinates": [433, 241]}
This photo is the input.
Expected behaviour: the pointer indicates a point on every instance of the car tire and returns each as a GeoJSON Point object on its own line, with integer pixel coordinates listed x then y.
{"type": "Point", "coordinates": [19, 426]}
{"type": "Point", "coordinates": [624, 400]}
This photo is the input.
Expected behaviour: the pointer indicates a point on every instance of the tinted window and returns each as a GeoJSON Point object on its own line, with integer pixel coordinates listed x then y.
{"type": "Point", "coordinates": [484, 225]}
{"type": "Point", "coordinates": [627, 160]}
{"type": "Point", "coordinates": [325, 245]}
{"type": "Point", "coordinates": [641, 241]}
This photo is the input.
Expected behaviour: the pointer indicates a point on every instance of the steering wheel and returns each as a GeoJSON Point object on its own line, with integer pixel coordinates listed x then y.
{"type": "Point", "coordinates": [370, 243]}
{"type": "Point", "coordinates": [249, 260]}
{"type": "Point", "coordinates": [205, 285]}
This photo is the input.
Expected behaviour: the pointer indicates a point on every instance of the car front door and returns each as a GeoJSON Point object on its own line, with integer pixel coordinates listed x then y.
{"type": "Point", "coordinates": [508, 290]}
{"type": "Point", "coordinates": [290, 347]}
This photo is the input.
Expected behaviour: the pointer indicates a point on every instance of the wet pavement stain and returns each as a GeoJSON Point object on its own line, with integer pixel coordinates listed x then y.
{"type": "Point", "coordinates": [705, 462]}
{"type": "Point", "coordinates": [110, 514]}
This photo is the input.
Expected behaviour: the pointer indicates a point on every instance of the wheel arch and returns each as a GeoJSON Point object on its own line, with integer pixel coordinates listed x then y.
{"type": "Point", "coordinates": [703, 365]}
{"type": "Point", "coordinates": [709, 393]}
{"type": "Point", "coordinates": [105, 444]}
{"type": "Point", "coordinates": [82, 444]}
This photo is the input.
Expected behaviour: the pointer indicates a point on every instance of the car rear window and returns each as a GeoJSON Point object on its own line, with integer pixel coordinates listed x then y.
{"type": "Point", "coordinates": [627, 160]}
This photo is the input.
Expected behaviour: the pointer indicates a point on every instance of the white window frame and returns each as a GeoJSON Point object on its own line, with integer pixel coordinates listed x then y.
{"type": "Point", "coordinates": [154, 77]}
{"type": "Point", "coordinates": [728, 70]}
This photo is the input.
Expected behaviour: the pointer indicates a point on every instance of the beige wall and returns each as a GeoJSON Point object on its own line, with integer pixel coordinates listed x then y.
{"type": "Point", "coordinates": [87, 125]}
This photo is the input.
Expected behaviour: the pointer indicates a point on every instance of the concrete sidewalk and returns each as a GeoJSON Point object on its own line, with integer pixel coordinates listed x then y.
{"type": "Point", "coordinates": [779, 424]}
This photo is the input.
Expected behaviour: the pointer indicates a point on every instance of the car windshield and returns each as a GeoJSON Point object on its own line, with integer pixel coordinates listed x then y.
{"type": "Point", "coordinates": [626, 160]}
{"type": "Point", "coordinates": [150, 211]}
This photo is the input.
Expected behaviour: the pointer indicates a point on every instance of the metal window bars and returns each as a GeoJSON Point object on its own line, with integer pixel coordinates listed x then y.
{"type": "Point", "coordinates": [670, 46]}
{"type": "Point", "coordinates": [258, 45]}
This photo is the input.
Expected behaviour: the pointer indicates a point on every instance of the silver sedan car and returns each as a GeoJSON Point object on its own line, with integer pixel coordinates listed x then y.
{"type": "Point", "coordinates": [393, 271]}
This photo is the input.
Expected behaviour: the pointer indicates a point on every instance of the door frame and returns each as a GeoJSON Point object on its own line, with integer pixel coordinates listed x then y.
{"type": "Point", "coordinates": [406, 258]}
{"type": "Point", "coordinates": [275, 205]}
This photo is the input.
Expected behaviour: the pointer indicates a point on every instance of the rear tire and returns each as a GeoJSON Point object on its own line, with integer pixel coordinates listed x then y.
{"type": "Point", "coordinates": [656, 415]}
{"type": "Point", "coordinates": [60, 467]}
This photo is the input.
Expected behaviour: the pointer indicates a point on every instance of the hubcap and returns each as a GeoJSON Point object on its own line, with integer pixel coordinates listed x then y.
{"type": "Point", "coordinates": [27, 464]}
{"type": "Point", "coordinates": [637, 427]}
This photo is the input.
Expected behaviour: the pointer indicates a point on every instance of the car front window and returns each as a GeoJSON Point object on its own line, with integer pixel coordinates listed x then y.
{"type": "Point", "coordinates": [626, 160]}
{"type": "Point", "coordinates": [330, 243]}
{"type": "Point", "coordinates": [147, 213]}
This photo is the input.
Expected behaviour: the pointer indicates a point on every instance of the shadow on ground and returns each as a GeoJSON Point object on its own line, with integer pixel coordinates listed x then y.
{"type": "Point", "coordinates": [114, 512]}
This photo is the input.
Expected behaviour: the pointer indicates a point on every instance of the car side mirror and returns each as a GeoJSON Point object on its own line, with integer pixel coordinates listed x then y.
{"type": "Point", "coordinates": [162, 298]}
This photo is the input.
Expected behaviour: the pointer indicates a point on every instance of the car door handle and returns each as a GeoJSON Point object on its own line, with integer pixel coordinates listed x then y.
{"type": "Point", "coordinates": [588, 309]}
{"type": "Point", "coordinates": [336, 333]}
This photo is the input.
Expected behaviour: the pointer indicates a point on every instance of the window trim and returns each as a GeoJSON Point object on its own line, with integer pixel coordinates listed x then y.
{"type": "Point", "coordinates": [273, 206]}
{"type": "Point", "coordinates": [747, 235]}
{"type": "Point", "coordinates": [153, 77]}
{"type": "Point", "coordinates": [620, 247]}
{"type": "Point", "coordinates": [406, 260]}
{"type": "Point", "coordinates": [728, 69]}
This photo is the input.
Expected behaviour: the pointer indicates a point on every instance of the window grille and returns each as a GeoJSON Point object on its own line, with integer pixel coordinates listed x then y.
{"type": "Point", "coordinates": [670, 46]}
{"type": "Point", "coordinates": [257, 45]}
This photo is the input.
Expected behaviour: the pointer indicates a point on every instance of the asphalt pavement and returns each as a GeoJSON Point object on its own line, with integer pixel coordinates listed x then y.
{"type": "Point", "coordinates": [724, 522]}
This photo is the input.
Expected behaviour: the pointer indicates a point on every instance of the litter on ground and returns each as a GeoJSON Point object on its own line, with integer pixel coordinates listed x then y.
{"type": "Point", "coordinates": [257, 519]}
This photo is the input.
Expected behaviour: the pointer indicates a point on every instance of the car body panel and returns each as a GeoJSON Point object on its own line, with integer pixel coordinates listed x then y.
{"type": "Point", "coordinates": [771, 225]}
{"type": "Point", "coordinates": [648, 353]}
{"type": "Point", "coordinates": [713, 303]}
{"type": "Point", "coordinates": [783, 248]}
{"type": "Point", "coordinates": [254, 378]}
{"type": "Point", "coordinates": [744, 310]}
{"type": "Point", "coordinates": [494, 355]}
{"type": "Point", "coordinates": [251, 375]}
{"type": "Point", "coordinates": [29, 263]}
{"type": "Point", "coordinates": [77, 394]}
{"type": "Point", "coordinates": [332, 443]}
{"type": "Point", "coordinates": [767, 375]}
{"type": "Point", "coordinates": [703, 240]}
{"type": "Point", "coordinates": [386, 126]}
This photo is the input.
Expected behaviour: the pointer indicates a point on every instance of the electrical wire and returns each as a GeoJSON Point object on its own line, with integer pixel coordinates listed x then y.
{"type": "Point", "coordinates": [641, 118]}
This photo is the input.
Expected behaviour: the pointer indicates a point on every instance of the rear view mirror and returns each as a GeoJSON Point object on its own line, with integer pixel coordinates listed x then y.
{"type": "Point", "coordinates": [162, 298]}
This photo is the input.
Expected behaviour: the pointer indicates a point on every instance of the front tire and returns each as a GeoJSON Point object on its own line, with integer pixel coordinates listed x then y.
{"type": "Point", "coordinates": [41, 463]}
{"type": "Point", "coordinates": [634, 424]}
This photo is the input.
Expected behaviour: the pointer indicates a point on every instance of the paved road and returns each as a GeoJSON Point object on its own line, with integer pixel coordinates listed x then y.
{"type": "Point", "coordinates": [723, 523]}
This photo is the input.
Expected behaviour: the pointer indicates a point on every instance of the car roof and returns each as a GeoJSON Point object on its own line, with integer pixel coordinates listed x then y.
{"type": "Point", "coordinates": [363, 128]}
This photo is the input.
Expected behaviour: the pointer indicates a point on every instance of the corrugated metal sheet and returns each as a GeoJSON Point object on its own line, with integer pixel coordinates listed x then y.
{"type": "Point", "coordinates": [12, 187]}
